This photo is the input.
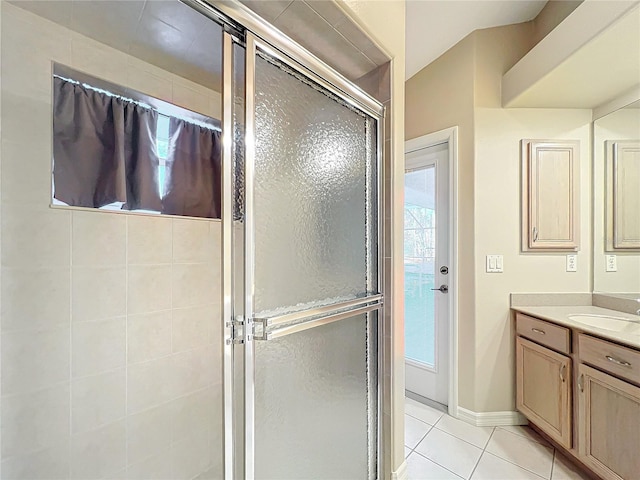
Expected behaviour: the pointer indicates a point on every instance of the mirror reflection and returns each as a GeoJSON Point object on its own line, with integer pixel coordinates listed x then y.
{"type": "Point", "coordinates": [616, 203]}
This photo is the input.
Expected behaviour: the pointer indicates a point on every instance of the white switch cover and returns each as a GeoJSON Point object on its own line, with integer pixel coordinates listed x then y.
{"type": "Point", "coordinates": [572, 263]}
{"type": "Point", "coordinates": [612, 263]}
{"type": "Point", "coordinates": [495, 264]}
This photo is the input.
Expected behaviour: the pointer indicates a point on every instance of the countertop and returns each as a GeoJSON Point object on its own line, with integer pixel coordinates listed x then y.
{"type": "Point", "coordinates": [629, 335]}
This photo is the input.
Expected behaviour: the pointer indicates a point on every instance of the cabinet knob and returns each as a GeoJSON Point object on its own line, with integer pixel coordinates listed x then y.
{"type": "Point", "coordinates": [535, 234]}
{"type": "Point", "coordinates": [581, 383]}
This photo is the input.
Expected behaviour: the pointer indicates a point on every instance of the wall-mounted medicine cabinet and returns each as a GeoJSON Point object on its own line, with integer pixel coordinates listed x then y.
{"type": "Point", "coordinates": [550, 195]}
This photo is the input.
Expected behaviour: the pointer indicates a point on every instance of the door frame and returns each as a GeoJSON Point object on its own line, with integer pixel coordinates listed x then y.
{"type": "Point", "coordinates": [449, 135]}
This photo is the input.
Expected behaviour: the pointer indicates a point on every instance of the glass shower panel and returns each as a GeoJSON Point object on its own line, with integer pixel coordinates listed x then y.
{"type": "Point", "coordinates": [313, 163]}
{"type": "Point", "coordinates": [312, 403]}
{"type": "Point", "coordinates": [314, 200]}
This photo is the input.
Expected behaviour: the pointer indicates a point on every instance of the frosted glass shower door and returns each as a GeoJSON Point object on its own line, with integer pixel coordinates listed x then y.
{"type": "Point", "coordinates": [311, 277]}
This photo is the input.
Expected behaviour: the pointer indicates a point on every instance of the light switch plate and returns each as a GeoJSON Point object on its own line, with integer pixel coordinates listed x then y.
{"type": "Point", "coordinates": [572, 263]}
{"type": "Point", "coordinates": [495, 263]}
{"type": "Point", "coordinates": [612, 263]}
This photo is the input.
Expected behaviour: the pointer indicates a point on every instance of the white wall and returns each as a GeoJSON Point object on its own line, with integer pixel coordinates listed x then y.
{"type": "Point", "coordinates": [622, 124]}
{"type": "Point", "coordinates": [384, 22]}
{"type": "Point", "coordinates": [110, 325]}
{"type": "Point", "coordinates": [462, 88]}
{"type": "Point", "coordinates": [497, 231]}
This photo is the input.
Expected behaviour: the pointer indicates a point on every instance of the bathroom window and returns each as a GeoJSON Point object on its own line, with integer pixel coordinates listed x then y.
{"type": "Point", "coordinates": [117, 149]}
{"type": "Point", "coordinates": [162, 147]}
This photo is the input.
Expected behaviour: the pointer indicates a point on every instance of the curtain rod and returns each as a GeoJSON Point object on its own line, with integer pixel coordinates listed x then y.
{"type": "Point", "coordinates": [136, 102]}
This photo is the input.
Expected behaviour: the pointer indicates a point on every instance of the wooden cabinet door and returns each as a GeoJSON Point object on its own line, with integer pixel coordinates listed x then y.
{"type": "Point", "coordinates": [543, 389]}
{"type": "Point", "coordinates": [551, 195]}
{"type": "Point", "coordinates": [608, 424]}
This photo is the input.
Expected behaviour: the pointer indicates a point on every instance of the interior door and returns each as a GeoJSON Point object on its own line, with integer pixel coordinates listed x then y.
{"type": "Point", "coordinates": [426, 253]}
{"type": "Point", "coordinates": [310, 194]}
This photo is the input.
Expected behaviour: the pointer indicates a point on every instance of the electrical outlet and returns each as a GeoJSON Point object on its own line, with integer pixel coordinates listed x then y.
{"type": "Point", "coordinates": [572, 263]}
{"type": "Point", "coordinates": [612, 263]}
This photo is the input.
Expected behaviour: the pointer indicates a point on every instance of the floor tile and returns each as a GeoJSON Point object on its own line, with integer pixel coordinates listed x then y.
{"type": "Point", "coordinates": [414, 431]}
{"type": "Point", "coordinates": [422, 412]}
{"type": "Point", "coordinates": [491, 467]}
{"type": "Point", "coordinates": [478, 436]}
{"type": "Point", "coordinates": [421, 468]}
{"type": "Point", "coordinates": [449, 452]}
{"type": "Point", "coordinates": [527, 432]}
{"type": "Point", "coordinates": [563, 469]}
{"type": "Point", "coordinates": [522, 451]}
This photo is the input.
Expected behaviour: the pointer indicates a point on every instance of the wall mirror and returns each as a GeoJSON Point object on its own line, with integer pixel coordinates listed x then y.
{"type": "Point", "coordinates": [616, 202]}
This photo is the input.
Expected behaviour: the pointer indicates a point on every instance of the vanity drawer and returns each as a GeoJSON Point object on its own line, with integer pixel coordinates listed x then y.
{"type": "Point", "coordinates": [613, 358]}
{"type": "Point", "coordinates": [553, 336]}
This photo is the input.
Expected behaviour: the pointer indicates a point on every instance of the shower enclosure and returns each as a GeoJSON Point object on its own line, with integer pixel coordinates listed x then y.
{"type": "Point", "coordinates": [301, 264]}
{"type": "Point", "coordinates": [230, 326]}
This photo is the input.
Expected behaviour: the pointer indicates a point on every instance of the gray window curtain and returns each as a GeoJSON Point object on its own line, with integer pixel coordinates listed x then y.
{"type": "Point", "coordinates": [193, 178]}
{"type": "Point", "coordinates": [103, 149]}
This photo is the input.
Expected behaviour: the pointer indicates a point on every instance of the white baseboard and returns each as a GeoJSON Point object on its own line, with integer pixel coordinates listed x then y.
{"type": "Point", "coordinates": [491, 419]}
{"type": "Point", "coordinates": [401, 472]}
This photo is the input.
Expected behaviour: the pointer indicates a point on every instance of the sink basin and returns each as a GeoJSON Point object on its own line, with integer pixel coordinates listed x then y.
{"type": "Point", "coordinates": [614, 324]}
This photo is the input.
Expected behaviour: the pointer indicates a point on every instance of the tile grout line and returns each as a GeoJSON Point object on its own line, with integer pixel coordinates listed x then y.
{"type": "Point", "coordinates": [433, 461]}
{"type": "Point", "coordinates": [70, 443]}
{"type": "Point", "coordinates": [482, 453]}
{"type": "Point", "coordinates": [441, 466]}
{"type": "Point", "coordinates": [462, 439]}
{"type": "Point", "coordinates": [512, 463]}
{"type": "Point", "coordinates": [126, 344]}
{"type": "Point", "coordinates": [542, 442]}
{"type": "Point", "coordinates": [553, 450]}
{"type": "Point", "coordinates": [553, 462]}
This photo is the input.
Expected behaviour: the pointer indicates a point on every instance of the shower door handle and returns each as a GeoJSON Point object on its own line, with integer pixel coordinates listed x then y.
{"type": "Point", "coordinates": [443, 288]}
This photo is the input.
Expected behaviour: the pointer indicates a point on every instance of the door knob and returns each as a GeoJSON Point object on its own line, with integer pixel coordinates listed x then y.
{"type": "Point", "coordinates": [443, 288]}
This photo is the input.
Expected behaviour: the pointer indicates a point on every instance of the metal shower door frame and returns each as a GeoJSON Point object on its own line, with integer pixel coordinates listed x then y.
{"type": "Point", "coordinates": [238, 330]}
{"type": "Point", "coordinates": [314, 316]}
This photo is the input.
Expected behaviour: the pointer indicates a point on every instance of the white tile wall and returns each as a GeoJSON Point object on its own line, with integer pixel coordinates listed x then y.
{"type": "Point", "coordinates": [149, 240]}
{"type": "Point", "coordinates": [110, 323]}
{"type": "Point", "coordinates": [98, 292]}
{"type": "Point", "coordinates": [99, 453]}
{"type": "Point", "coordinates": [23, 305]}
{"type": "Point", "coordinates": [149, 335]}
{"type": "Point", "coordinates": [148, 288]}
{"type": "Point", "coordinates": [149, 433]}
{"type": "Point", "coordinates": [32, 360]}
{"type": "Point", "coordinates": [98, 346]}
{"type": "Point", "coordinates": [97, 400]}
{"type": "Point", "coordinates": [98, 240]}
{"type": "Point", "coordinates": [35, 421]}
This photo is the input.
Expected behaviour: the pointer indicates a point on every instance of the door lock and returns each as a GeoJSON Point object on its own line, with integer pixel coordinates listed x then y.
{"type": "Point", "coordinates": [444, 270]}
{"type": "Point", "coordinates": [443, 288]}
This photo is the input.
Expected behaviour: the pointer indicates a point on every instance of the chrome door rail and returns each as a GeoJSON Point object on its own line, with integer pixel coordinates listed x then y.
{"type": "Point", "coordinates": [237, 14]}
{"type": "Point", "coordinates": [227, 251]}
{"type": "Point", "coordinates": [315, 311]}
{"type": "Point", "coordinates": [299, 327]}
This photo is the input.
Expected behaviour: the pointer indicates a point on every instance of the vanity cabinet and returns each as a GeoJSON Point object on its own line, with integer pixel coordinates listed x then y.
{"type": "Point", "coordinates": [583, 393]}
{"type": "Point", "coordinates": [608, 424]}
{"type": "Point", "coordinates": [543, 391]}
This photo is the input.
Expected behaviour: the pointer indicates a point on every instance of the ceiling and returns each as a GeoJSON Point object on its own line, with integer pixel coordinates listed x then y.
{"type": "Point", "coordinates": [168, 34]}
{"type": "Point", "coordinates": [606, 66]}
{"type": "Point", "coordinates": [434, 26]}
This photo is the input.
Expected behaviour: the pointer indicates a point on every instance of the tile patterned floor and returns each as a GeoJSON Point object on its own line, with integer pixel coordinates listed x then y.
{"type": "Point", "coordinates": [440, 447]}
